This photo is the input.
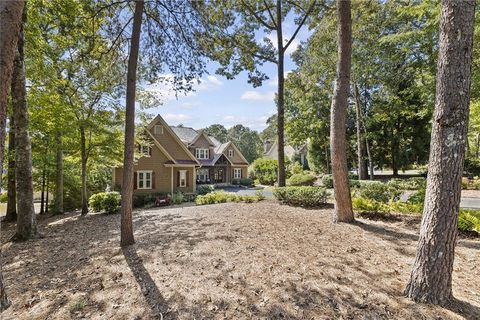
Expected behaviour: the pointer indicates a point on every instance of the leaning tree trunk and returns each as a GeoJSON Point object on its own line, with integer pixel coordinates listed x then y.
{"type": "Point", "coordinates": [126, 235]}
{"type": "Point", "coordinates": [11, 214]}
{"type": "Point", "coordinates": [362, 166]}
{"type": "Point", "coordinates": [280, 99]}
{"type": "Point", "coordinates": [343, 202]}
{"type": "Point", "coordinates": [431, 277]}
{"type": "Point", "coordinates": [10, 22]}
{"type": "Point", "coordinates": [58, 206]}
{"type": "Point", "coordinates": [26, 220]}
{"type": "Point", "coordinates": [84, 170]}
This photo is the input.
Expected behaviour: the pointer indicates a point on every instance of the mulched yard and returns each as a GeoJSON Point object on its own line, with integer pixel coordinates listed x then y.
{"type": "Point", "coordinates": [226, 261]}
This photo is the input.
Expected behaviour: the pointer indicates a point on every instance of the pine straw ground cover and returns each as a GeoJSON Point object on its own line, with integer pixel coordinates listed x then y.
{"type": "Point", "coordinates": [226, 261]}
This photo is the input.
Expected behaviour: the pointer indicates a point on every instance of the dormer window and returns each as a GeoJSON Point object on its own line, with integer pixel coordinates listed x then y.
{"type": "Point", "coordinates": [202, 153]}
{"type": "Point", "coordinates": [230, 152]}
{"type": "Point", "coordinates": [158, 129]}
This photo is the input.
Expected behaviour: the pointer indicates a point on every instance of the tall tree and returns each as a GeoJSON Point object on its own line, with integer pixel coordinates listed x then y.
{"type": "Point", "coordinates": [246, 140]}
{"type": "Point", "coordinates": [218, 131]}
{"type": "Point", "coordinates": [126, 236]}
{"type": "Point", "coordinates": [236, 24]}
{"type": "Point", "coordinates": [26, 220]}
{"type": "Point", "coordinates": [11, 214]}
{"type": "Point", "coordinates": [343, 202]}
{"type": "Point", "coordinates": [431, 277]}
{"type": "Point", "coordinates": [10, 22]}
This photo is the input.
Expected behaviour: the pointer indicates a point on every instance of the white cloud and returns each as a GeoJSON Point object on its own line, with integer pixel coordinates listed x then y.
{"type": "Point", "coordinates": [176, 117]}
{"type": "Point", "coordinates": [257, 96]}
{"type": "Point", "coordinates": [291, 48]}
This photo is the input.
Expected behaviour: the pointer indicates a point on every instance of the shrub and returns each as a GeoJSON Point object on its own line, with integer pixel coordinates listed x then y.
{"type": "Point", "coordinates": [260, 196]}
{"type": "Point", "coordinates": [327, 181]}
{"type": "Point", "coordinates": [378, 191]}
{"type": "Point", "coordinates": [147, 199]}
{"type": "Point", "coordinates": [222, 197]}
{"type": "Point", "coordinates": [408, 184]}
{"type": "Point", "coordinates": [301, 179]}
{"type": "Point", "coordinates": [247, 182]}
{"type": "Point", "coordinates": [205, 188]}
{"type": "Point", "coordinates": [265, 170]}
{"type": "Point", "coordinates": [469, 221]}
{"type": "Point", "coordinates": [4, 197]}
{"type": "Point", "coordinates": [369, 205]}
{"type": "Point", "coordinates": [105, 201]}
{"type": "Point", "coordinates": [178, 197]}
{"type": "Point", "coordinates": [295, 168]}
{"type": "Point", "coordinates": [306, 196]}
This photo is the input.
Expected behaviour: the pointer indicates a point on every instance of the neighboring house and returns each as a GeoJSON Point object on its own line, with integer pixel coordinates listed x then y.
{"type": "Point", "coordinates": [179, 157]}
{"type": "Point", "coordinates": [270, 151]}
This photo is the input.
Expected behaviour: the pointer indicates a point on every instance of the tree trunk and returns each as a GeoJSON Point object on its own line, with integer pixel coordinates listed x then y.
{"type": "Point", "coordinates": [126, 236]}
{"type": "Point", "coordinates": [280, 99]}
{"type": "Point", "coordinates": [48, 191]}
{"type": "Point", "coordinates": [84, 170]}
{"type": "Point", "coordinates": [343, 202]}
{"type": "Point", "coordinates": [26, 219]}
{"type": "Point", "coordinates": [370, 158]}
{"type": "Point", "coordinates": [58, 207]}
{"type": "Point", "coordinates": [42, 196]}
{"type": "Point", "coordinates": [11, 214]}
{"type": "Point", "coordinates": [431, 277]}
{"type": "Point", "coordinates": [362, 173]}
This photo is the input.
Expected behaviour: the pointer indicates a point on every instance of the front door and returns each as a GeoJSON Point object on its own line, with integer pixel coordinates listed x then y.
{"type": "Point", "coordinates": [219, 175]}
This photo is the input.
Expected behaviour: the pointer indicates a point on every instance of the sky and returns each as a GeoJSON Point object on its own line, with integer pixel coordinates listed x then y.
{"type": "Point", "coordinates": [227, 102]}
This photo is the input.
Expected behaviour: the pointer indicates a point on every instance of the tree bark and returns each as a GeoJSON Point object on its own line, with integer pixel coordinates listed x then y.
{"type": "Point", "coordinates": [362, 165]}
{"type": "Point", "coordinates": [11, 214]}
{"type": "Point", "coordinates": [84, 170]}
{"type": "Point", "coordinates": [343, 203]}
{"type": "Point", "coordinates": [280, 99]}
{"type": "Point", "coordinates": [431, 277]}
{"type": "Point", "coordinates": [26, 219]}
{"type": "Point", "coordinates": [42, 196]}
{"type": "Point", "coordinates": [58, 206]}
{"type": "Point", "coordinates": [48, 191]}
{"type": "Point", "coordinates": [126, 234]}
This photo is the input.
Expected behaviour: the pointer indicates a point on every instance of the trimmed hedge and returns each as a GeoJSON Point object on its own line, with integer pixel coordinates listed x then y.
{"type": "Point", "coordinates": [205, 188]}
{"type": "Point", "coordinates": [222, 197]}
{"type": "Point", "coordinates": [265, 170]}
{"type": "Point", "coordinates": [301, 196]}
{"type": "Point", "coordinates": [327, 181]}
{"type": "Point", "coordinates": [378, 191]}
{"type": "Point", "coordinates": [109, 202]}
{"type": "Point", "coordinates": [247, 182]}
{"type": "Point", "coordinates": [301, 179]}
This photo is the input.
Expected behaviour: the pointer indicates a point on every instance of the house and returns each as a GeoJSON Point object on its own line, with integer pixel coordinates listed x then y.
{"type": "Point", "coordinates": [179, 158]}
{"type": "Point", "coordinates": [270, 151]}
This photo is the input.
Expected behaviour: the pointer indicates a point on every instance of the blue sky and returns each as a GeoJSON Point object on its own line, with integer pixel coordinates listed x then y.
{"type": "Point", "coordinates": [228, 102]}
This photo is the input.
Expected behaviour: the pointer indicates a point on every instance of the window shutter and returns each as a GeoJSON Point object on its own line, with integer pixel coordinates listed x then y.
{"type": "Point", "coordinates": [186, 178]}
{"type": "Point", "coordinates": [149, 151]}
{"type": "Point", "coordinates": [178, 178]}
{"type": "Point", "coordinates": [134, 180]}
{"type": "Point", "coordinates": [153, 179]}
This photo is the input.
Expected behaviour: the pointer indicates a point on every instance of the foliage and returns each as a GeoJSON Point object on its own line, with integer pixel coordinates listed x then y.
{"type": "Point", "coordinates": [109, 202]}
{"type": "Point", "coordinates": [378, 191]}
{"type": "Point", "coordinates": [259, 194]}
{"type": "Point", "coordinates": [265, 170]}
{"type": "Point", "coordinates": [246, 140]}
{"type": "Point", "coordinates": [218, 131]}
{"type": "Point", "coordinates": [147, 199]}
{"type": "Point", "coordinates": [305, 196]}
{"type": "Point", "coordinates": [471, 184]}
{"type": "Point", "coordinates": [415, 183]}
{"type": "Point", "coordinates": [3, 197]}
{"type": "Point", "coordinates": [205, 188]}
{"type": "Point", "coordinates": [222, 197]}
{"type": "Point", "coordinates": [295, 168]}
{"type": "Point", "coordinates": [469, 220]}
{"type": "Point", "coordinates": [301, 179]}
{"type": "Point", "coordinates": [247, 182]}
{"type": "Point", "coordinates": [178, 197]}
{"type": "Point", "coordinates": [327, 181]}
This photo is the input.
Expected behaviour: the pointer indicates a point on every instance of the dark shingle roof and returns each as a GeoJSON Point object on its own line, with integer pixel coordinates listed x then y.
{"type": "Point", "coordinates": [186, 134]}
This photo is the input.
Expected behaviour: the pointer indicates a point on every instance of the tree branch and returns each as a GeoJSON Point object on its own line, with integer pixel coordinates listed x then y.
{"type": "Point", "coordinates": [258, 18]}
{"type": "Point", "coordinates": [300, 24]}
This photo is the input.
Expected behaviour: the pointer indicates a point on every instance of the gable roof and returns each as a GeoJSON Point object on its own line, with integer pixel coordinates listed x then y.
{"type": "Point", "coordinates": [221, 149]}
{"type": "Point", "coordinates": [158, 118]}
{"type": "Point", "coordinates": [216, 143]}
{"type": "Point", "coordinates": [202, 133]}
{"type": "Point", "coordinates": [185, 134]}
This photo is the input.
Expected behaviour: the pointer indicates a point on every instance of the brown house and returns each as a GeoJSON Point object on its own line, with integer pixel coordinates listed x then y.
{"type": "Point", "coordinates": [179, 158]}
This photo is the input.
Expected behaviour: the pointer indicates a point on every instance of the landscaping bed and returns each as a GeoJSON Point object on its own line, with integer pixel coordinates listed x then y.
{"type": "Point", "coordinates": [258, 260]}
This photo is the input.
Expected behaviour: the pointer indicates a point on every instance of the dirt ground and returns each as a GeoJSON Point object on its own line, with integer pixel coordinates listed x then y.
{"type": "Point", "coordinates": [226, 261]}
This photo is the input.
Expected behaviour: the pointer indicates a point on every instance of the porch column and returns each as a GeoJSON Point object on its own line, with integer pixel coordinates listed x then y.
{"type": "Point", "coordinates": [171, 180]}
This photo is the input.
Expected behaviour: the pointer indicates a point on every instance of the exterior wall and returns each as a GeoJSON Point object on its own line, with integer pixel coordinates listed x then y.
{"type": "Point", "coordinates": [155, 163]}
{"type": "Point", "coordinates": [190, 179]}
{"type": "Point", "coordinates": [236, 157]}
{"type": "Point", "coordinates": [244, 172]}
{"type": "Point", "coordinates": [170, 143]}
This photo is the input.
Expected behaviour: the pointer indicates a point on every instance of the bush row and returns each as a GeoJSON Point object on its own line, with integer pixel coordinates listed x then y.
{"type": "Point", "coordinates": [247, 182]}
{"type": "Point", "coordinates": [222, 197]}
{"type": "Point", "coordinates": [301, 179]}
{"type": "Point", "coordinates": [305, 196]}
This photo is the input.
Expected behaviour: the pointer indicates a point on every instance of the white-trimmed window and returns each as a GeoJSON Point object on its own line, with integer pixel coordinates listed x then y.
{"type": "Point", "coordinates": [144, 179]}
{"type": "Point", "coordinates": [202, 175]}
{"type": "Point", "coordinates": [183, 178]}
{"type": "Point", "coordinates": [158, 129]}
{"type": "Point", "coordinates": [237, 173]}
{"type": "Point", "coordinates": [202, 153]}
{"type": "Point", "coordinates": [230, 152]}
{"type": "Point", "coordinates": [145, 151]}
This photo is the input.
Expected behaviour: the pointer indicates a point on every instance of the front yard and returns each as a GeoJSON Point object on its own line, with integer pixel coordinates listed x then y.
{"type": "Point", "coordinates": [226, 261]}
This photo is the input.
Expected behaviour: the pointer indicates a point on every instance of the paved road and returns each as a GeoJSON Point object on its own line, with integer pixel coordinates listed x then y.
{"type": "Point", "coordinates": [466, 202]}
